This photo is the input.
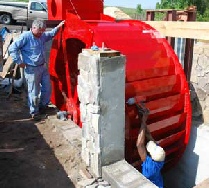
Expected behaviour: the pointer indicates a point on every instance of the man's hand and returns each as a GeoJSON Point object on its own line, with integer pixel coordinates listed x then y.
{"type": "Point", "coordinates": [61, 24]}
{"type": "Point", "coordinates": [144, 111]}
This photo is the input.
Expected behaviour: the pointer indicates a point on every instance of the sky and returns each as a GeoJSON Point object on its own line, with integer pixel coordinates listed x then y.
{"type": "Point", "coordinates": [146, 4]}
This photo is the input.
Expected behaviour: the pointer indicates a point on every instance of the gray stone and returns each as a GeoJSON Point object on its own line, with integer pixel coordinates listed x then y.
{"type": "Point", "coordinates": [94, 109]}
{"type": "Point", "coordinates": [84, 62]}
{"type": "Point", "coordinates": [203, 61]}
{"type": "Point", "coordinates": [94, 97]}
{"type": "Point", "coordinates": [198, 49]}
{"type": "Point", "coordinates": [206, 50]}
{"type": "Point", "coordinates": [201, 94]}
{"type": "Point", "coordinates": [121, 174]}
{"type": "Point", "coordinates": [202, 82]}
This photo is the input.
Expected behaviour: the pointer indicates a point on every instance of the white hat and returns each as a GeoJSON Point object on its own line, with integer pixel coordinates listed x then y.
{"type": "Point", "coordinates": [157, 153]}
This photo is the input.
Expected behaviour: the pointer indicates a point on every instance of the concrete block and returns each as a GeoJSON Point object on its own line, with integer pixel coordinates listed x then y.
{"type": "Point", "coordinates": [112, 64]}
{"type": "Point", "coordinates": [121, 174]}
{"type": "Point", "coordinates": [112, 121]}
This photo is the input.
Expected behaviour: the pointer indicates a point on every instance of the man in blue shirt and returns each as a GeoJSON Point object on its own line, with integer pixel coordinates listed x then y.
{"type": "Point", "coordinates": [28, 51]}
{"type": "Point", "coordinates": [151, 154]}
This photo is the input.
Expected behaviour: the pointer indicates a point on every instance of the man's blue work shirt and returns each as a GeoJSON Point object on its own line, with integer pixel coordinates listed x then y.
{"type": "Point", "coordinates": [31, 48]}
{"type": "Point", "coordinates": [151, 170]}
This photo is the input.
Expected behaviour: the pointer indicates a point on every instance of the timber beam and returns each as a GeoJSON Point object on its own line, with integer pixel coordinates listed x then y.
{"type": "Point", "coordinates": [192, 30]}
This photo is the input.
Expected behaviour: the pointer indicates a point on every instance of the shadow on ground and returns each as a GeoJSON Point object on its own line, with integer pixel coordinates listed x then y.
{"type": "Point", "coordinates": [26, 160]}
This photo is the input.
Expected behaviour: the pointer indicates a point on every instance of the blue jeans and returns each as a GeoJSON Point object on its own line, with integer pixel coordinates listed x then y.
{"type": "Point", "coordinates": [39, 87]}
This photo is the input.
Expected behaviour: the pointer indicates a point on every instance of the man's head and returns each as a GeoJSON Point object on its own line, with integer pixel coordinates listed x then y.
{"type": "Point", "coordinates": [157, 153]}
{"type": "Point", "coordinates": [38, 27]}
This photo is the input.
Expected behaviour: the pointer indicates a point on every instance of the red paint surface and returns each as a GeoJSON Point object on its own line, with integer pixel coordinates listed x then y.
{"type": "Point", "coordinates": [152, 71]}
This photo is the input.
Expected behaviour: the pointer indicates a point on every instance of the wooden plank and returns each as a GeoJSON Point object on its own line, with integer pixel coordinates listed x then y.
{"type": "Point", "coordinates": [7, 43]}
{"type": "Point", "coordinates": [193, 30]}
{"type": "Point", "coordinates": [15, 35]}
{"type": "Point", "coordinates": [6, 67]}
{"type": "Point", "coordinates": [8, 64]}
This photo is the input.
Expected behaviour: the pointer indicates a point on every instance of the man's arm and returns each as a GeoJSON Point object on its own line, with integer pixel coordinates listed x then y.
{"type": "Point", "coordinates": [143, 110]}
{"type": "Point", "coordinates": [50, 34]}
{"type": "Point", "coordinates": [14, 50]}
{"type": "Point", "coordinates": [143, 131]}
{"type": "Point", "coordinates": [140, 144]}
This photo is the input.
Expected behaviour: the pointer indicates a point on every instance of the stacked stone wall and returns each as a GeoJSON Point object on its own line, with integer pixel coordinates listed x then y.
{"type": "Point", "coordinates": [199, 82]}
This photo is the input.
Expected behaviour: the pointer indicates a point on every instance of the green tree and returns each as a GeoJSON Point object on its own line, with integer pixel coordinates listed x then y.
{"type": "Point", "coordinates": [139, 9]}
{"type": "Point", "coordinates": [202, 7]}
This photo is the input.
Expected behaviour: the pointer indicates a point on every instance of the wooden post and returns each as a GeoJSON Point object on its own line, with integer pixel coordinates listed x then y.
{"type": "Point", "coordinates": [150, 16]}
{"type": "Point", "coordinates": [188, 58]}
{"type": "Point", "coordinates": [171, 16]}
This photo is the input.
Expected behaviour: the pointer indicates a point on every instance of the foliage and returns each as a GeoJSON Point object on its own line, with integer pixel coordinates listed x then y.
{"type": "Point", "coordinates": [139, 9]}
{"type": "Point", "coordinates": [204, 17]}
{"type": "Point", "coordinates": [132, 12]}
{"type": "Point", "coordinates": [128, 11]}
{"type": "Point", "coordinates": [202, 7]}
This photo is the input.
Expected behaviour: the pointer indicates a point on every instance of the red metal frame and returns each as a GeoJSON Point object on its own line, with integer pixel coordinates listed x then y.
{"type": "Point", "coordinates": [152, 71]}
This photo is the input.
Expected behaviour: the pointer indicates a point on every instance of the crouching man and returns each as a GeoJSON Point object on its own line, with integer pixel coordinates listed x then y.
{"type": "Point", "coordinates": [152, 155]}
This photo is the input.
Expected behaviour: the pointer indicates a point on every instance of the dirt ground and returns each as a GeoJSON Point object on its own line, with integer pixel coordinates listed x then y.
{"type": "Point", "coordinates": [32, 154]}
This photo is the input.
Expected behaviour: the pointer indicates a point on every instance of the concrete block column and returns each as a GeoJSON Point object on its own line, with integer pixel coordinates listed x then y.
{"type": "Point", "coordinates": [101, 91]}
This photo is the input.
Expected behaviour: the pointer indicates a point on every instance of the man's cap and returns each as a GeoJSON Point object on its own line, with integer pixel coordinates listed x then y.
{"type": "Point", "coordinates": [156, 152]}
